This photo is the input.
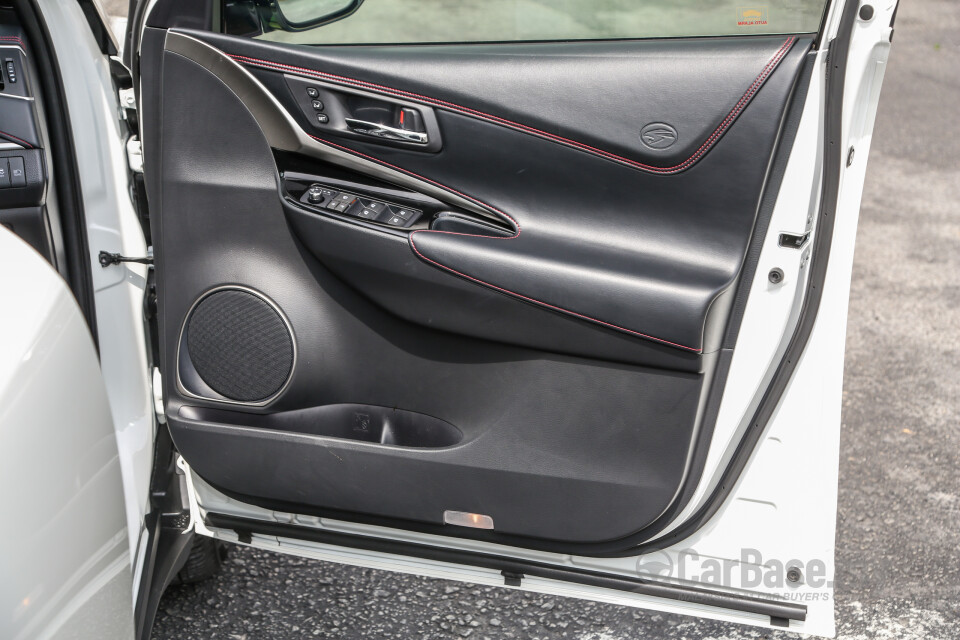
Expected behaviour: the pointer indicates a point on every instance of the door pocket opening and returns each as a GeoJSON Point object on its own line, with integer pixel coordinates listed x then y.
{"type": "Point", "coordinates": [362, 422]}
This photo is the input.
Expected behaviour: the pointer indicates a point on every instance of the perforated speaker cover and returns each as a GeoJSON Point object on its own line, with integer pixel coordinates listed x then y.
{"type": "Point", "coordinates": [239, 345]}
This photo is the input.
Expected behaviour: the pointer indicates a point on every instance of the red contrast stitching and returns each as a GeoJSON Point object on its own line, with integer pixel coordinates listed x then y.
{"type": "Point", "coordinates": [8, 135]}
{"type": "Point", "coordinates": [514, 236]}
{"type": "Point", "coordinates": [13, 39]}
{"type": "Point", "coordinates": [443, 104]}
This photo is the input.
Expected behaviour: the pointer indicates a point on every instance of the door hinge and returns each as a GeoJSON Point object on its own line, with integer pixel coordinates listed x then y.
{"type": "Point", "coordinates": [107, 259]}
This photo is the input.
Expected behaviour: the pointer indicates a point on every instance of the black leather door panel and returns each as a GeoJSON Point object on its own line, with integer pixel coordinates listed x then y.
{"type": "Point", "coordinates": [571, 359]}
{"type": "Point", "coordinates": [640, 253]}
{"type": "Point", "coordinates": [384, 269]}
{"type": "Point", "coordinates": [552, 90]}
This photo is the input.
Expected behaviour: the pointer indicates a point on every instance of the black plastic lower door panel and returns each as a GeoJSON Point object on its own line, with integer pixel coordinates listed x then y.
{"type": "Point", "coordinates": [528, 462]}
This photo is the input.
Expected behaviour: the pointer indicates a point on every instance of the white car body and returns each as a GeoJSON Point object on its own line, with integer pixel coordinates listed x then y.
{"type": "Point", "coordinates": [68, 561]}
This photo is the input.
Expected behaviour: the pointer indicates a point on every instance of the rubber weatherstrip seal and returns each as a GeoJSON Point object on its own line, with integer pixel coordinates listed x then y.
{"type": "Point", "coordinates": [780, 611]}
{"type": "Point", "coordinates": [837, 55]}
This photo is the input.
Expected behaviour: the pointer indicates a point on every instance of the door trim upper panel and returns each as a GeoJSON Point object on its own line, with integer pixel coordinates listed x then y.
{"type": "Point", "coordinates": [684, 164]}
{"type": "Point", "coordinates": [688, 335]}
{"type": "Point", "coordinates": [695, 86]}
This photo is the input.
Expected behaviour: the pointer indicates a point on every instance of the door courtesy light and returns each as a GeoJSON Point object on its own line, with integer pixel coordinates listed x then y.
{"type": "Point", "coordinates": [464, 519]}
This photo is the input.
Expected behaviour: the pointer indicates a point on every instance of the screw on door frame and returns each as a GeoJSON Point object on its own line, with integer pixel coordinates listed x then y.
{"type": "Point", "coordinates": [776, 275]}
{"type": "Point", "coordinates": [794, 575]}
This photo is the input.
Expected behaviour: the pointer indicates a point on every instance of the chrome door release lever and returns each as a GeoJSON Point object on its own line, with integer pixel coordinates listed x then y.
{"type": "Point", "coordinates": [383, 131]}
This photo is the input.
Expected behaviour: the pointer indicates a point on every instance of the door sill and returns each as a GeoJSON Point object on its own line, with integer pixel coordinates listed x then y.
{"type": "Point", "coordinates": [514, 570]}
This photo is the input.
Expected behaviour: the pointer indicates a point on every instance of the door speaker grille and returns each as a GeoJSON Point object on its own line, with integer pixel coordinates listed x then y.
{"type": "Point", "coordinates": [239, 345]}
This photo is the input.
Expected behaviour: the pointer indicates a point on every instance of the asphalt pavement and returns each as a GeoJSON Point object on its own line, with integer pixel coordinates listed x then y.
{"type": "Point", "coordinates": [898, 553]}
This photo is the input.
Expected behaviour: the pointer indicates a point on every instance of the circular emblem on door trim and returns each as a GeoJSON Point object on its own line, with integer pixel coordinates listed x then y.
{"type": "Point", "coordinates": [658, 135]}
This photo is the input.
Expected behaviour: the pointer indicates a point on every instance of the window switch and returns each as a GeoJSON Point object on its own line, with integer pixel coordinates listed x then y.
{"type": "Point", "coordinates": [373, 205]}
{"type": "Point", "coordinates": [396, 221]}
{"type": "Point", "coordinates": [18, 177]}
{"type": "Point", "coordinates": [406, 216]}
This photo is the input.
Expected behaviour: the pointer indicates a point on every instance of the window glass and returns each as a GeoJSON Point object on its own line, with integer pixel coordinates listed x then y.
{"type": "Point", "coordinates": [410, 21]}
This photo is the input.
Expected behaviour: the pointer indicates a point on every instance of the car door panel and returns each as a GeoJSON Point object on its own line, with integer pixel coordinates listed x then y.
{"type": "Point", "coordinates": [352, 351]}
{"type": "Point", "coordinates": [567, 357]}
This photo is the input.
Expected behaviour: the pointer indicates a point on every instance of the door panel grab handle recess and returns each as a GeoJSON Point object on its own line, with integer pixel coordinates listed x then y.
{"type": "Point", "coordinates": [386, 132]}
